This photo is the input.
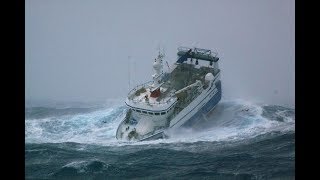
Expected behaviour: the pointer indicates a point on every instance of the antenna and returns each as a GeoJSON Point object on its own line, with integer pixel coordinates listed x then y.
{"type": "Point", "coordinates": [134, 72]}
{"type": "Point", "coordinates": [195, 45]}
{"type": "Point", "coordinates": [159, 48]}
{"type": "Point", "coordinates": [161, 51]}
{"type": "Point", "coordinates": [168, 65]}
{"type": "Point", "coordinates": [164, 50]}
{"type": "Point", "coordinates": [129, 71]}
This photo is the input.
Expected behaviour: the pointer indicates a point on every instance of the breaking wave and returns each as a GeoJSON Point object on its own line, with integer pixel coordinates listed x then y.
{"type": "Point", "coordinates": [229, 121]}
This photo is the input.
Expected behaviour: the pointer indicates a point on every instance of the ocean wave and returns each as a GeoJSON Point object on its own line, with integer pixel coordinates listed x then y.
{"type": "Point", "coordinates": [229, 121]}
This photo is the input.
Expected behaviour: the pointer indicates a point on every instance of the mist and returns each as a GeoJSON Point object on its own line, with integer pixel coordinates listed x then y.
{"type": "Point", "coordinates": [78, 50]}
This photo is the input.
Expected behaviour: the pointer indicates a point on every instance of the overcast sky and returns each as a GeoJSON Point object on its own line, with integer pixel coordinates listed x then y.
{"type": "Point", "coordinates": [77, 50]}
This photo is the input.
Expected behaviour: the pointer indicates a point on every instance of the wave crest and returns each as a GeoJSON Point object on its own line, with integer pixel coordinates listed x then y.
{"type": "Point", "coordinates": [229, 121]}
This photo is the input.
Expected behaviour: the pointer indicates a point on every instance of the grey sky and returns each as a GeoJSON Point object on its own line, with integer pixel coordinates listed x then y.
{"type": "Point", "coordinates": [77, 50]}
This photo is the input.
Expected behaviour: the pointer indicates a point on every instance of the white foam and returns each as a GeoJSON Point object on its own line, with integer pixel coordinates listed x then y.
{"type": "Point", "coordinates": [231, 122]}
{"type": "Point", "coordinates": [81, 128]}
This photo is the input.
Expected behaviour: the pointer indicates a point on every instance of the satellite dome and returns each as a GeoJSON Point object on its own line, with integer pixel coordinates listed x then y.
{"type": "Point", "coordinates": [209, 77]}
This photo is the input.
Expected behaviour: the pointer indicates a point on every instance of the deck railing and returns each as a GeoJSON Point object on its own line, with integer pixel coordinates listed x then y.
{"type": "Point", "coordinates": [156, 102]}
{"type": "Point", "coordinates": [138, 87]}
{"type": "Point", "coordinates": [144, 85]}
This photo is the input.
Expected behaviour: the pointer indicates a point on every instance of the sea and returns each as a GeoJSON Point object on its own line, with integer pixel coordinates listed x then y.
{"type": "Point", "coordinates": [237, 140]}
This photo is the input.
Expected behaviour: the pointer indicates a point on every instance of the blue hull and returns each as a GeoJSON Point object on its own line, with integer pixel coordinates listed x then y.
{"type": "Point", "coordinates": [206, 108]}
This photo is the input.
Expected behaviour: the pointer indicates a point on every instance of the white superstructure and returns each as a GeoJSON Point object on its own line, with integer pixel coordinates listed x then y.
{"type": "Point", "coordinates": [173, 98]}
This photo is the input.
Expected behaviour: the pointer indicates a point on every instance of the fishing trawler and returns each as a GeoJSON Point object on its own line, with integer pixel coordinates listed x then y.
{"type": "Point", "coordinates": [178, 97]}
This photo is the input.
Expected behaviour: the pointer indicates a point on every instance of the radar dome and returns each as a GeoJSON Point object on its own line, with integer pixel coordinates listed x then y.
{"type": "Point", "coordinates": [209, 77]}
{"type": "Point", "coordinates": [157, 66]}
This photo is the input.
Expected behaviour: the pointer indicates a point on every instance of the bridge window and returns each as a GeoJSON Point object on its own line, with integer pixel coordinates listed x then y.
{"type": "Point", "coordinates": [138, 111]}
{"type": "Point", "coordinates": [145, 112]}
{"type": "Point", "coordinates": [162, 113]}
{"type": "Point", "coordinates": [157, 114]}
{"type": "Point", "coordinates": [150, 113]}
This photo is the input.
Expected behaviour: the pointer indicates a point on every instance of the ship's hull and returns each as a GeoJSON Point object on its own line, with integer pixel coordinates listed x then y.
{"type": "Point", "coordinates": [204, 110]}
{"type": "Point", "coordinates": [209, 106]}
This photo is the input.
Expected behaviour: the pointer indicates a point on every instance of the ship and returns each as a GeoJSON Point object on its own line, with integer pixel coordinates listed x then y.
{"type": "Point", "coordinates": [178, 97]}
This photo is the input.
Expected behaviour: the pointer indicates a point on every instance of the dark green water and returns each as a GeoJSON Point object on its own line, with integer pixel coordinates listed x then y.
{"type": "Point", "coordinates": [238, 141]}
